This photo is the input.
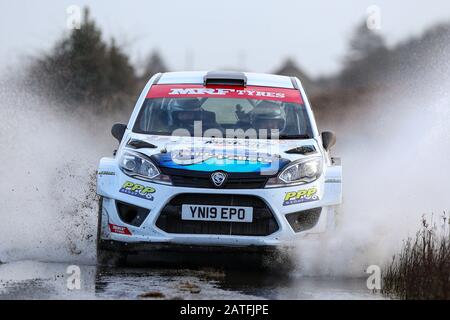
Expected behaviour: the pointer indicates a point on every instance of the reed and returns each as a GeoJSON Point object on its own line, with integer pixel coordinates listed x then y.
{"type": "Point", "coordinates": [422, 268]}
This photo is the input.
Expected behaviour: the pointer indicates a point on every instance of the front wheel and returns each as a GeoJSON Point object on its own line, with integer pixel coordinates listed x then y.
{"type": "Point", "coordinates": [106, 257]}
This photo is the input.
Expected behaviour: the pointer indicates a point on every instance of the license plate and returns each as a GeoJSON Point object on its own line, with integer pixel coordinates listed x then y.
{"type": "Point", "coordinates": [216, 213]}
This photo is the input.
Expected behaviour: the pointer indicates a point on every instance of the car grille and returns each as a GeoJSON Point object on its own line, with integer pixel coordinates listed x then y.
{"type": "Point", "coordinates": [190, 179]}
{"type": "Point", "coordinates": [263, 223]}
{"type": "Point", "coordinates": [200, 182]}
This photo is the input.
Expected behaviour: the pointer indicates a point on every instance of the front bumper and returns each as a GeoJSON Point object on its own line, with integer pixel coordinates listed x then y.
{"type": "Point", "coordinates": [280, 201]}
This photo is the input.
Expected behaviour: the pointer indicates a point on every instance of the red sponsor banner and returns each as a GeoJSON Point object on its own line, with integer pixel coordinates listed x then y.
{"type": "Point", "coordinates": [199, 91]}
{"type": "Point", "coordinates": [119, 229]}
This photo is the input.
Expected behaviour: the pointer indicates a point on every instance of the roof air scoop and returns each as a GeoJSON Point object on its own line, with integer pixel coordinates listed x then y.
{"type": "Point", "coordinates": [229, 78]}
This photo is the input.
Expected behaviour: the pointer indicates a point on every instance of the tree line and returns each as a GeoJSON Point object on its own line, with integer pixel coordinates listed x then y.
{"type": "Point", "coordinates": [83, 69]}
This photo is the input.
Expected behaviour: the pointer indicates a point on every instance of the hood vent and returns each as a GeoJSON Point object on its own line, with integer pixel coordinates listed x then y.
{"type": "Point", "coordinates": [139, 144]}
{"type": "Point", "coordinates": [303, 150]}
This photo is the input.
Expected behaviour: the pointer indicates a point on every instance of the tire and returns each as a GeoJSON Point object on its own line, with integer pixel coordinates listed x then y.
{"type": "Point", "coordinates": [280, 262]}
{"type": "Point", "coordinates": [106, 257]}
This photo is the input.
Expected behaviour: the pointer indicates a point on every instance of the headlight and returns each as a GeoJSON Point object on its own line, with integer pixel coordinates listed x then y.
{"type": "Point", "coordinates": [138, 166]}
{"type": "Point", "coordinates": [302, 171]}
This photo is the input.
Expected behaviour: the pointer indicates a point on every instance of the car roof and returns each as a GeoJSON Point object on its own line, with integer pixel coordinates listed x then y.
{"type": "Point", "coordinates": [253, 79]}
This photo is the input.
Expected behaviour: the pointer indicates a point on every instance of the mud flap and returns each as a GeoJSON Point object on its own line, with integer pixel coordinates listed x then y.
{"type": "Point", "coordinates": [333, 194]}
{"type": "Point", "coordinates": [104, 232]}
{"type": "Point", "coordinates": [333, 186]}
{"type": "Point", "coordinates": [332, 217]}
{"type": "Point", "coordinates": [107, 177]}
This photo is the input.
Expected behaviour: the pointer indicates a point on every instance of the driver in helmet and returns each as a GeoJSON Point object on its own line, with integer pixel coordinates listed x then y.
{"type": "Point", "coordinates": [268, 115]}
{"type": "Point", "coordinates": [182, 111]}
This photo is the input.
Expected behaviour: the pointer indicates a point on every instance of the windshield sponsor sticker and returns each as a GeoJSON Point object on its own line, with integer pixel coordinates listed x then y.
{"type": "Point", "coordinates": [249, 92]}
{"type": "Point", "coordinates": [224, 92]}
{"type": "Point", "coordinates": [300, 196]}
{"type": "Point", "coordinates": [137, 190]}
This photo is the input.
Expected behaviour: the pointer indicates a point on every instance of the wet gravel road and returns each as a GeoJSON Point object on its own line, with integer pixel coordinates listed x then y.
{"type": "Point", "coordinates": [39, 280]}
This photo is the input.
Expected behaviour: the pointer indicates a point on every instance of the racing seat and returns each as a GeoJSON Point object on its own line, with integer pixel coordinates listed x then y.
{"type": "Point", "coordinates": [185, 119]}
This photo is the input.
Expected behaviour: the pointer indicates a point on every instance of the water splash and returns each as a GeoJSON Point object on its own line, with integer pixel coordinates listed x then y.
{"type": "Point", "coordinates": [395, 146]}
{"type": "Point", "coordinates": [48, 207]}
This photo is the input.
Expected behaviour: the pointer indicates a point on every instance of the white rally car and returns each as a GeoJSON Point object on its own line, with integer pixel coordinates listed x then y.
{"type": "Point", "coordinates": [213, 161]}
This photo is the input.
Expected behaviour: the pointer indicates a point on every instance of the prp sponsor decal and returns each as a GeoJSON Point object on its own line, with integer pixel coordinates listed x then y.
{"type": "Point", "coordinates": [137, 190]}
{"type": "Point", "coordinates": [300, 196]}
{"type": "Point", "coordinates": [249, 92]}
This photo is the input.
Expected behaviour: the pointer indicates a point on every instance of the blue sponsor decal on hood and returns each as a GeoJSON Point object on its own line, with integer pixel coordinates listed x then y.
{"type": "Point", "coordinates": [212, 160]}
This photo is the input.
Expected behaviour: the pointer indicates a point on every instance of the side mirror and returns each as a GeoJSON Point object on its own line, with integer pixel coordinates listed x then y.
{"type": "Point", "coordinates": [118, 130]}
{"type": "Point", "coordinates": [328, 139]}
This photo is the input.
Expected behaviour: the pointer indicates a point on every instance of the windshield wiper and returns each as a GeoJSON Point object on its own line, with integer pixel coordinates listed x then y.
{"type": "Point", "coordinates": [294, 136]}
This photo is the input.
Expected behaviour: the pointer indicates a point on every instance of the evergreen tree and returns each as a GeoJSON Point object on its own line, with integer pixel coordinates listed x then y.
{"type": "Point", "coordinates": [367, 61]}
{"type": "Point", "coordinates": [154, 64]}
{"type": "Point", "coordinates": [363, 43]}
{"type": "Point", "coordinates": [83, 69]}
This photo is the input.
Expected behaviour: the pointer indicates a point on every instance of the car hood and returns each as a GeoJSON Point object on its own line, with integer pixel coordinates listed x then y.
{"type": "Point", "coordinates": [230, 155]}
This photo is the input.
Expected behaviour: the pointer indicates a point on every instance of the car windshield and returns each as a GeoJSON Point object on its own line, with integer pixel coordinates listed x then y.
{"type": "Point", "coordinates": [235, 114]}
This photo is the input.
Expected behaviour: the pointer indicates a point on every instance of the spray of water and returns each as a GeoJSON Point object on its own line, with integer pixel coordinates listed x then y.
{"type": "Point", "coordinates": [395, 146]}
{"type": "Point", "coordinates": [48, 160]}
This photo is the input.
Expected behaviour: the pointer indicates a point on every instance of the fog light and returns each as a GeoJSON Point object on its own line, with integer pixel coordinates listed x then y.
{"type": "Point", "coordinates": [131, 214]}
{"type": "Point", "coordinates": [304, 220]}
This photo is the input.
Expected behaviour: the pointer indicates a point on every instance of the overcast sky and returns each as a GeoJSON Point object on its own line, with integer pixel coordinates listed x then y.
{"type": "Point", "coordinates": [253, 35]}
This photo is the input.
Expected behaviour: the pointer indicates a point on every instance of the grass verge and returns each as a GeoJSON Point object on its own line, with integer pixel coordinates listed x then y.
{"type": "Point", "coordinates": [422, 268]}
